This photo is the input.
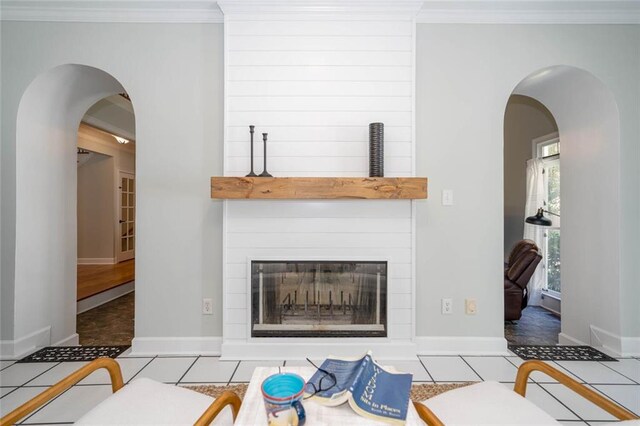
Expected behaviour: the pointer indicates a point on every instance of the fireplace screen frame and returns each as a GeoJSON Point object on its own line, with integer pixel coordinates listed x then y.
{"type": "Point", "coordinates": [268, 328]}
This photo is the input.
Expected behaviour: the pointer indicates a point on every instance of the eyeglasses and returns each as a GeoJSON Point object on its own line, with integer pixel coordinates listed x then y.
{"type": "Point", "coordinates": [326, 382]}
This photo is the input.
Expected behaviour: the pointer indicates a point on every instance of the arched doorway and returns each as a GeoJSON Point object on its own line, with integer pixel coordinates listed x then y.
{"type": "Point", "coordinates": [106, 223]}
{"type": "Point", "coordinates": [48, 118]}
{"type": "Point", "coordinates": [531, 181]}
{"type": "Point", "coordinates": [589, 130]}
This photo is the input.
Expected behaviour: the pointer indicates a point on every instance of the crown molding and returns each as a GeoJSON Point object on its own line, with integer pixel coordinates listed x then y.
{"type": "Point", "coordinates": [530, 12]}
{"type": "Point", "coordinates": [424, 11]}
{"type": "Point", "coordinates": [135, 11]}
{"type": "Point", "coordinates": [330, 7]}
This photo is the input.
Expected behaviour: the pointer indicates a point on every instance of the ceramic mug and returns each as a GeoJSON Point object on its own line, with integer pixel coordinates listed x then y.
{"type": "Point", "coordinates": [282, 395]}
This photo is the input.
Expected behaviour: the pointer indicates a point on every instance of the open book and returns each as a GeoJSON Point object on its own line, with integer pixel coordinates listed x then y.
{"type": "Point", "coordinates": [371, 390]}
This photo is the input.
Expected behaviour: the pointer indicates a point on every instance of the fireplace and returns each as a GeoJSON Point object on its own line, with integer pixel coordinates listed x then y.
{"type": "Point", "coordinates": [318, 299]}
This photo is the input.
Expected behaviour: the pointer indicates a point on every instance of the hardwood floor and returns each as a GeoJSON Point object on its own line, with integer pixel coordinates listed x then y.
{"type": "Point", "coordinates": [94, 279]}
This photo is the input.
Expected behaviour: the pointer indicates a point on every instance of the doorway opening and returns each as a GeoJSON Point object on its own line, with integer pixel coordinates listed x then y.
{"type": "Point", "coordinates": [106, 223]}
{"type": "Point", "coordinates": [588, 126]}
{"type": "Point", "coordinates": [532, 286]}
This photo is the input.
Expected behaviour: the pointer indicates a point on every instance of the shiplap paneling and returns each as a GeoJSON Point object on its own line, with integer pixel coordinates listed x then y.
{"type": "Point", "coordinates": [299, 134]}
{"type": "Point", "coordinates": [314, 85]}
{"type": "Point", "coordinates": [350, 58]}
{"type": "Point", "coordinates": [313, 43]}
{"type": "Point", "coordinates": [318, 88]}
{"type": "Point", "coordinates": [284, 74]}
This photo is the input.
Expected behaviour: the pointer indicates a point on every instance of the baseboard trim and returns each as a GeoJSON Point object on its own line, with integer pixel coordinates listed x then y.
{"type": "Point", "coordinates": [630, 346]}
{"type": "Point", "coordinates": [461, 345]}
{"type": "Point", "coordinates": [607, 342]}
{"type": "Point", "coordinates": [278, 350]}
{"type": "Point", "coordinates": [176, 346]}
{"type": "Point", "coordinates": [73, 340]}
{"type": "Point", "coordinates": [565, 339]}
{"type": "Point", "coordinates": [20, 347]}
{"type": "Point", "coordinates": [97, 261]}
{"type": "Point", "coordinates": [604, 339]}
{"type": "Point", "coordinates": [106, 296]}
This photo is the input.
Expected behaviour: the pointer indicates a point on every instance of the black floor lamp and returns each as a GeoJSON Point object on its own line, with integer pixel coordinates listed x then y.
{"type": "Point", "coordinates": [539, 218]}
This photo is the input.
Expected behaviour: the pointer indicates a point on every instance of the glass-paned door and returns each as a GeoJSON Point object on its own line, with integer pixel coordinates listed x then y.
{"type": "Point", "coordinates": [127, 211]}
{"type": "Point", "coordinates": [552, 234]}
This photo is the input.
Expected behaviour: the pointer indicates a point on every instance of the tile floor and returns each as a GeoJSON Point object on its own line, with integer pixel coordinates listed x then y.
{"type": "Point", "coordinates": [619, 381]}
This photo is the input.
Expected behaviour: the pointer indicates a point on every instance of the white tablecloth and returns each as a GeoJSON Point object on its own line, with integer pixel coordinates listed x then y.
{"type": "Point", "coordinates": [252, 412]}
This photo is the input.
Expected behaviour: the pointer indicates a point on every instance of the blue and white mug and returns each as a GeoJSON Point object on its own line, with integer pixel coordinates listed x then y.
{"type": "Point", "coordinates": [282, 395]}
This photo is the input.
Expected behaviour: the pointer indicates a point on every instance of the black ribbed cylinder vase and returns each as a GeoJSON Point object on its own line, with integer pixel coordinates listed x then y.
{"type": "Point", "coordinates": [376, 150]}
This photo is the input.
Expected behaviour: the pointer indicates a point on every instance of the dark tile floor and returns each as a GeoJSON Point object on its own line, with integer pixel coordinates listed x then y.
{"type": "Point", "coordinates": [536, 327]}
{"type": "Point", "coordinates": [108, 324]}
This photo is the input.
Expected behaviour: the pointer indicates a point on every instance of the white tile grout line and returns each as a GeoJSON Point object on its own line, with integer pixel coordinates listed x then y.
{"type": "Point", "coordinates": [539, 384]}
{"type": "Point", "coordinates": [561, 403]}
{"type": "Point", "coordinates": [610, 397]}
{"type": "Point", "coordinates": [4, 368]}
{"type": "Point", "coordinates": [472, 369]}
{"type": "Point", "coordinates": [623, 375]}
{"type": "Point", "coordinates": [234, 373]}
{"type": "Point", "coordinates": [426, 369]}
{"type": "Point", "coordinates": [185, 373]}
{"type": "Point", "coordinates": [51, 401]}
{"type": "Point", "coordinates": [11, 391]}
{"type": "Point", "coordinates": [143, 367]}
{"type": "Point", "coordinates": [45, 371]}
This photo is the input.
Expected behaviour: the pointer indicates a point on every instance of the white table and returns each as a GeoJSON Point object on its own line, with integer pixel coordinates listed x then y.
{"type": "Point", "coordinates": [252, 412]}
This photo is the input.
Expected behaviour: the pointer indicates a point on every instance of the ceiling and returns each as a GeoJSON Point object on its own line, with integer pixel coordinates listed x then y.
{"type": "Point", "coordinates": [113, 115]}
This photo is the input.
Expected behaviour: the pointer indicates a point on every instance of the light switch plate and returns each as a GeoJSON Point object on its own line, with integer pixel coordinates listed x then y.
{"type": "Point", "coordinates": [447, 197]}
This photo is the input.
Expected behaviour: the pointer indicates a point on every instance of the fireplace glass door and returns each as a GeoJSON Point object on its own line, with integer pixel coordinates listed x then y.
{"type": "Point", "coordinates": [318, 299]}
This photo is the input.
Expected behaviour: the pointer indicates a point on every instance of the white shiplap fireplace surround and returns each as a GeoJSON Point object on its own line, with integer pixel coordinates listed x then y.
{"type": "Point", "coordinates": [313, 79]}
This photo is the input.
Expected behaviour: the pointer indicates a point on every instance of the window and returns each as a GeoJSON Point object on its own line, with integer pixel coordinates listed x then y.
{"type": "Point", "coordinates": [552, 234]}
{"type": "Point", "coordinates": [548, 149]}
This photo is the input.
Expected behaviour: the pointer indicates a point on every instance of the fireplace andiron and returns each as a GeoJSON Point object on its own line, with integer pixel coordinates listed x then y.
{"type": "Point", "coordinates": [252, 173]}
{"type": "Point", "coordinates": [265, 173]}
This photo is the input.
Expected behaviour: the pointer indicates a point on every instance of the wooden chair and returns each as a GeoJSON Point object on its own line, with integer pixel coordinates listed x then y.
{"type": "Point", "coordinates": [141, 401]}
{"type": "Point", "coordinates": [492, 403]}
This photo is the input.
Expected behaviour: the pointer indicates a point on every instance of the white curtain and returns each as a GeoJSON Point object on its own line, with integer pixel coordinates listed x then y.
{"type": "Point", "coordinates": [535, 200]}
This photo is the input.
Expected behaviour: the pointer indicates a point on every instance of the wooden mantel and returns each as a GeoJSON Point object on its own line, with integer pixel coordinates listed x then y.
{"type": "Point", "coordinates": [273, 188]}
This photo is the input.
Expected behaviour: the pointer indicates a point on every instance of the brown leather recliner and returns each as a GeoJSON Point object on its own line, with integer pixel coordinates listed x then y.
{"type": "Point", "coordinates": [523, 261]}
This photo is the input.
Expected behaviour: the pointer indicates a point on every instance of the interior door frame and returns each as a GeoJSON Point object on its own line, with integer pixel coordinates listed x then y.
{"type": "Point", "coordinates": [117, 242]}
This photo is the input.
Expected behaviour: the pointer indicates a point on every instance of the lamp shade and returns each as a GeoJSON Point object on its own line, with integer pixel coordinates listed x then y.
{"type": "Point", "coordinates": [539, 219]}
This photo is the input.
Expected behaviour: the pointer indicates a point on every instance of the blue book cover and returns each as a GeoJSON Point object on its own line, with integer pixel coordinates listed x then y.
{"type": "Point", "coordinates": [371, 390]}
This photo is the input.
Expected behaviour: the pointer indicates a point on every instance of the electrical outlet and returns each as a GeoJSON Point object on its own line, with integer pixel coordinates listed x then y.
{"type": "Point", "coordinates": [470, 306]}
{"type": "Point", "coordinates": [207, 306]}
{"type": "Point", "coordinates": [447, 306]}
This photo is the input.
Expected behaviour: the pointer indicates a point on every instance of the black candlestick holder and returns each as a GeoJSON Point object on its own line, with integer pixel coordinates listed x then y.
{"type": "Point", "coordinates": [252, 173]}
{"type": "Point", "coordinates": [265, 173]}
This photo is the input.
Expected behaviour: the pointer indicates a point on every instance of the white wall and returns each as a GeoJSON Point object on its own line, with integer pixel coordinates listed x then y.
{"type": "Point", "coordinates": [96, 210]}
{"type": "Point", "coordinates": [463, 83]}
{"type": "Point", "coordinates": [175, 72]}
{"type": "Point", "coordinates": [314, 85]}
{"type": "Point", "coordinates": [525, 119]}
{"type": "Point", "coordinates": [589, 124]}
{"type": "Point", "coordinates": [46, 232]}
{"type": "Point", "coordinates": [465, 74]}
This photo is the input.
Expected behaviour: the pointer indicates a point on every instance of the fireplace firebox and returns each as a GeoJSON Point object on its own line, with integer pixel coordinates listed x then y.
{"type": "Point", "coordinates": [318, 299]}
